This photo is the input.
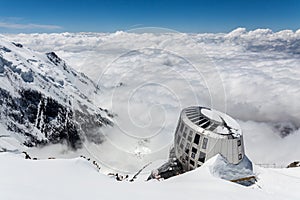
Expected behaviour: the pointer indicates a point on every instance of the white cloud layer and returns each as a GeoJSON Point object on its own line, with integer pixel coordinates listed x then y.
{"type": "Point", "coordinates": [28, 26]}
{"type": "Point", "coordinates": [161, 73]}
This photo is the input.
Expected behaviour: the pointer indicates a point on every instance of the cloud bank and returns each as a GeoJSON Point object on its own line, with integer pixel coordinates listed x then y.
{"type": "Point", "coordinates": [258, 70]}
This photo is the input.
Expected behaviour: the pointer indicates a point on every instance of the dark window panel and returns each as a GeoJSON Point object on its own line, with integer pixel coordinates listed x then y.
{"type": "Point", "coordinates": [186, 158]}
{"type": "Point", "coordinates": [192, 162]}
{"type": "Point", "coordinates": [197, 139]}
{"type": "Point", "coordinates": [188, 145]}
{"type": "Point", "coordinates": [202, 121]}
{"type": "Point", "coordinates": [177, 128]}
{"type": "Point", "coordinates": [194, 150]}
{"type": "Point", "coordinates": [185, 132]}
{"type": "Point", "coordinates": [205, 125]}
{"type": "Point", "coordinates": [178, 139]}
{"type": "Point", "coordinates": [202, 156]}
{"type": "Point", "coordinates": [204, 145]}
{"type": "Point", "coordinates": [181, 146]}
{"type": "Point", "coordinates": [182, 126]}
{"type": "Point", "coordinates": [187, 151]}
{"type": "Point", "coordinates": [240, 156]}
{"type": "Point", "coordinates": [193, 155]}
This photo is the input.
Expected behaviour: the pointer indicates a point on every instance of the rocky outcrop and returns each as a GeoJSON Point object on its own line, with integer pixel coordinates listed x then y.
{"type": "Point", "coordinates": [294, 164]}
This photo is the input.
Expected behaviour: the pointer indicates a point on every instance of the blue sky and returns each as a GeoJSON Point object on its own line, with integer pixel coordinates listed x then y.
{"type": "Point", "coordinates": [111, 15]}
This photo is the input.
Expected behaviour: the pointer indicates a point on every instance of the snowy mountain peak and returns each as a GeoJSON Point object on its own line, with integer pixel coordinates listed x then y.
{"type": "Point", "coordinates": [43, 100]}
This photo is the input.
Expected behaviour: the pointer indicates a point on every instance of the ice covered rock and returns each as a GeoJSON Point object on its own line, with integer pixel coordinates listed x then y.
{"type": "Point", "coordinates": [221, 168]}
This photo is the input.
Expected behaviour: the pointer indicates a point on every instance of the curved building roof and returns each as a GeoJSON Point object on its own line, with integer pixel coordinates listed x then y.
{"type": "Point", "coordinates": [211, 120]}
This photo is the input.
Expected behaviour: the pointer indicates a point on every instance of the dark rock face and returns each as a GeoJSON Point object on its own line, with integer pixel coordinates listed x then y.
{"type": "Point", "coordinates": [27, 77]}
{"type": "Point", "coordinates": [57, 123]}
{"type": "Point", "coordinates": [4, 63]}
{"type": "Point", "coordinates": [34, 110]}
{"type": "Point", "coordinates": [54, 58]}
{"type": "Point", "coordinates": [294, 164]}
{"type": "Point", "coordinates": [17, 44]}
{"type": "Point", "coordinates": [5, 49]}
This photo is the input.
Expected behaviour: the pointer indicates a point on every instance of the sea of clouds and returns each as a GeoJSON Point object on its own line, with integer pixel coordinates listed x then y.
{"type": "Point", "coordinates": [146, 78]}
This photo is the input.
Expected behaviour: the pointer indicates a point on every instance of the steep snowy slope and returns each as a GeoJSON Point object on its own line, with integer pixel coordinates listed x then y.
{"type": "Point", "coordinates": [43, 100]}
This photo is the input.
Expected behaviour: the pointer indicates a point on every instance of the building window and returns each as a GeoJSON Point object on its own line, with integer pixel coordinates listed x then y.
{"type": "Point", "coordinates": [188, 145]}
{"type": "Point", "coordinates": [194, 150]}
{"type": "Point", "coordinates": [193, 155]}
{"type": "Point", "coordinates": [181, 127]}
{"type": "Point", "coordinates": [213, 127]}
{"type": "Point", "coordinates": [177, 128]}
{"type": "Point", "coordinates": [199, 120]}
{"type": "Point", "coordinates": [204, 145]}
{"type": "Point", "coordinates": [239, 142]}
{"type": "Point", "coordinates": [240, 156]}
{"type": "Point", "coordinates": [179, 151]}
{"type": "Point", "coordinates": [194, 119]}
{"type": "Point", "coordinates": [197, 139]}
{"type": "Point", "coordinates": [182, 143]}
{"type": "Point", "coordinates": [187, 151]}
{"type": "Point", "coordinates": [191, 133]}
{"type": "Point", "coordinates": [190, 138]}
{"type": "Point", "coordinates": [205, 125]}
{"type": "Point", "coordinates": [178, 139]}
{"type": "Point", "coordinates": [192, 162]}
{"type": "Point", "coordinates": [185, 132]}
{"type": "Point", "coordinates": [202, 157]}
{"type": "Point", "coordinates": [202, 121]}
{"type": "Point", "coordinates": [181, 146]}
{"type": "Point", "coordinates": [186, 158]}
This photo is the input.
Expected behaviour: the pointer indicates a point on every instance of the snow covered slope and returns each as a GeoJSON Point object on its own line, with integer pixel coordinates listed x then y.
{"type": "Point", "coordinates": [43, 100]}
{"type": "Point", "coordinates": [78, 179]}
